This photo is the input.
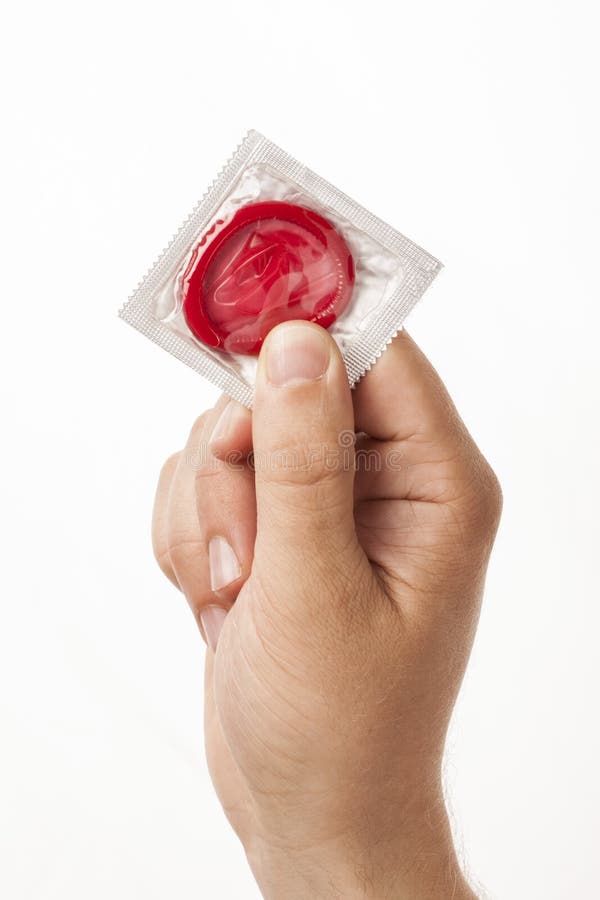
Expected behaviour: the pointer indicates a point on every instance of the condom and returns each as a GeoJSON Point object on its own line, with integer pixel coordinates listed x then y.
{"type": "Point", "coordinates": [272, 242]}
{"type": "Point", "coordinates": [270, 263]}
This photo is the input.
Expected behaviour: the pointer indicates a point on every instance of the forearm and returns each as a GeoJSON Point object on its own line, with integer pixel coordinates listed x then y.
{"type": "Point", "coordinates": [416, 860]}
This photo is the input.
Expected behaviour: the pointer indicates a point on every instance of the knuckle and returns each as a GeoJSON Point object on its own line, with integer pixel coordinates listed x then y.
{"type": "Point", "coordinates": [491, 494]}
{"type": "Point", "coordinates": [496, 498]}
{"type": "Point", "coordinates": [486, 497]}
{"type": "Point", "coordinates": [198, 427]}
{"type": "Point", "coordinates": [164, 563]}
{"type": "Point", "coordinates": [161, 555]}
{"type": "Point", "coordinates": [315, 511]}
{"type": "Point", "coordinates": [169, 465]}
{"type": "Point", "coordinates": [195, 450]}
{"type": "Point", "coordinates": [303, 464]}
{"type": "Point", "coordinates": [208, 478]}
{"type": "Point", "coordinates": [183, 553]}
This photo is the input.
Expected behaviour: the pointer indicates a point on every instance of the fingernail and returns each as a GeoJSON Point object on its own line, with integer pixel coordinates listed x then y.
{"type": "Point", "coordinates": [212, 618]}
{"type": "Point", "coordinates": [296, 353]}
{"type": "Point", "coordinates": [223, 424]}
{"type": "Point", "coordinates": [223, 563]}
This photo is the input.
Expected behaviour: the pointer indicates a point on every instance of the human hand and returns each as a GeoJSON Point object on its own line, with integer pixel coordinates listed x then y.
{"type": "Point", "coordinates": [356, 596]}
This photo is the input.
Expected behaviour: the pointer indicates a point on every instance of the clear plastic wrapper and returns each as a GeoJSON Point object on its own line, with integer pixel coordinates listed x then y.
{"type": "Point", "coordinates": [272, 241]}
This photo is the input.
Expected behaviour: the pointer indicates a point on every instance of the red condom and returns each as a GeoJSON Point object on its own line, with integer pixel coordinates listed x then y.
{"type": "Point", "coordinates": [271, 262]}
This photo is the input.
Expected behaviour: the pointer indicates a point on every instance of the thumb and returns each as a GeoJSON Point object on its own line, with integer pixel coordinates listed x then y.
{"type": "Point", "coordinates": [303, 430]}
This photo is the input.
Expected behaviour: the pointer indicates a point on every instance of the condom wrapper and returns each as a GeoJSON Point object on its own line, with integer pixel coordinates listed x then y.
{"type": "Point", "coordinates": [271, 241]}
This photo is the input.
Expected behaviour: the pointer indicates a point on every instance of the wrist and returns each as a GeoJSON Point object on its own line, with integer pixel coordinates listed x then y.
{"type": "Point", "coordinates": [414, 859]}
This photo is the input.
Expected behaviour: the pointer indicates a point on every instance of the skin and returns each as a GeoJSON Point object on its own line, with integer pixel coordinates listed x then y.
{"type": "Point", "coordinates": [350, 625]}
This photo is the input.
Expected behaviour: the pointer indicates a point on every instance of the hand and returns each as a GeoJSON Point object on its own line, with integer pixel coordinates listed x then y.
{"type": "Point", "coordinates": [341, 607]}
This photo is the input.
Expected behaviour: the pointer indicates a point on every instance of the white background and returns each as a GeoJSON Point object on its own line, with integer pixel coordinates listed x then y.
{"type": "Point", "coordinates": [473, 128]}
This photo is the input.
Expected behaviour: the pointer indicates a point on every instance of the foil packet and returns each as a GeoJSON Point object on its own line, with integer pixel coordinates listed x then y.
{"type": "Point", "coordinates": [271, 241]}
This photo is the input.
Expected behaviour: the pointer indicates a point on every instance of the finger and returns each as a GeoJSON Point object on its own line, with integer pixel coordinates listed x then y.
{"type": "Point", "coordinates": [381, 473]}
{"type": "Point", "coordinates": [302, 418]}
{"type": "Point", "coordinates": [403, 397]}
{"type": "Point", "coordinates": [184, 540]}
{"type": "Point", "coordinates": [211, 528]}
{"type": "Point", "coordinates": [160, 544]}
{"type": "Point", "coordinates": [424, 451]}
{"type": "Point", "coordinates": [231, 786]}
{"type": "Point", "coordinates": [226, 507]}
{"type": "Point", "coordinates": [231, 437]}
